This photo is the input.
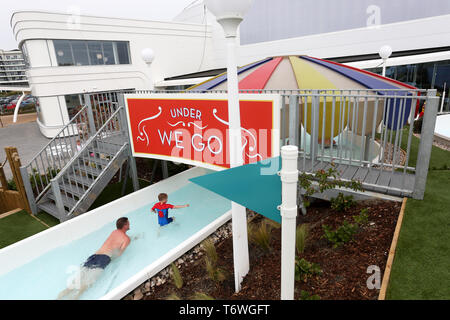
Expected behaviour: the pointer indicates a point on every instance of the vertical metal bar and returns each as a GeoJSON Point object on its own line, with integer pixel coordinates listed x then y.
{"type": "Point", "coordinates": [425, 145]}
{"type": "Point", "coordinates": [58, 200]}
{"type": "Point", "coordinates": [90, 115]}
{"type": "Point", "coordinates": [333, 106]}
{"type": "Point", "coordinates": [28, 190]}
{"type": "Point", "coordinates": [314, 127]}
{"type": "Point", "coordinates": [293, 120]}
{"type": "Point", "coordinates": [374, 124]}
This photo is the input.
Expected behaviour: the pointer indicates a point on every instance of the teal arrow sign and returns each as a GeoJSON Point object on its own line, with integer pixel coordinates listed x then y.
{"type": "Point", "coordinates": [256, 186]}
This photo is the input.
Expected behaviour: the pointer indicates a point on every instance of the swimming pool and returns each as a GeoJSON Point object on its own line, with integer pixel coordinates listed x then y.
{"type": "Point", "coordinates": [46, 275]}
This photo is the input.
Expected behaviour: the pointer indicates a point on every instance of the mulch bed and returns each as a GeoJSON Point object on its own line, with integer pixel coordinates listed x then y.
{"type": "Point", "coordinates": [344, 269]}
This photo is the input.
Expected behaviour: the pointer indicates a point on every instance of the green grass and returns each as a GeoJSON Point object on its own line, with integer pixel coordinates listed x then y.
{"type": "Point", "coordinates": [421, 268]}
{"type": "Point", "coordinates": [21, 225]}
{"type": "Point", "coordinates": [440, 159]}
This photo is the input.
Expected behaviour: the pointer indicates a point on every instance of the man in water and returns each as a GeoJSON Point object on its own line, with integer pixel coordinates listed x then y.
{"type": "Point", "coordinates": [113, 247]}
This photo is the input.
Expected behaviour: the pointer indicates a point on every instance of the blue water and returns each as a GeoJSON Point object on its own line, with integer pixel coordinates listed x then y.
{"type": "Point", "coordinates": [46, 276]}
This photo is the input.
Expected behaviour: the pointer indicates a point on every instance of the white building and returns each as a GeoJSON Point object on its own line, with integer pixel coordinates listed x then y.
{"type": "Point", "coordinates": [12, 69]}
{"type": "Point", "coordinates": [69, 55]}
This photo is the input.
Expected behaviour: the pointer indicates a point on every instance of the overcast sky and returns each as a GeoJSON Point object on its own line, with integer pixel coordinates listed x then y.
{"type": "Point", "coordinates": [138, 9]}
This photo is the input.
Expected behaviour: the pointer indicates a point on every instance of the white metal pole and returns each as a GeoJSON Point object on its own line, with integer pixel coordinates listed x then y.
{"type": "Point", "coordinates": [384, 68]}
{"type": "Point", "coordinates": [239, 215]}
{"type": "Point", "coordinates": [149, 75]}
{"type": "Point", "coordinates": [16, 109]}
{"type": "Point", "coordinates": [288, 208]}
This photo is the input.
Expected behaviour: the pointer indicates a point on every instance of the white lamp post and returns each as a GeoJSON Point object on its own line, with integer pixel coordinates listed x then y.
{"type": "Point", "coordinates": [229, 14]}
{"type": "Point", "coordinates": [148, 56]}
{"type": "Point", "coordinates": [385, 52]}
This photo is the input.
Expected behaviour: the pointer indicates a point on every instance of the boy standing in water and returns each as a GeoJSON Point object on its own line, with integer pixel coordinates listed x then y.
{"type": "Point", "coordinates": [162, 209]}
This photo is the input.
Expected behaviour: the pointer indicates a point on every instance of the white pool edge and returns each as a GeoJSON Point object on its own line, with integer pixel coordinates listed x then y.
{"type": "Point", "coordinates": [165, 260]}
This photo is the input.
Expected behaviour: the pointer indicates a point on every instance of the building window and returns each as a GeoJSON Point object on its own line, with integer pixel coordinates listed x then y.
{"type": "Point", "coordinates": [90, 52]}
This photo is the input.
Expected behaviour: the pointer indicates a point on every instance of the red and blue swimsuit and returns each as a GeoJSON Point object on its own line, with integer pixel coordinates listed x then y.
{"type": "Point", "coordinates": [163, 211]}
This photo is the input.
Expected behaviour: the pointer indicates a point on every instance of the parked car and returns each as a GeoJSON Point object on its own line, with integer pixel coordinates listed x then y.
{"type": "Point", "coordinates": [11, 105]}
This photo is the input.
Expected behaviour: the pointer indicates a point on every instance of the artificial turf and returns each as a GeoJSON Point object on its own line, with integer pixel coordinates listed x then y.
{"type": "Point", "coordinates": [421, 268]}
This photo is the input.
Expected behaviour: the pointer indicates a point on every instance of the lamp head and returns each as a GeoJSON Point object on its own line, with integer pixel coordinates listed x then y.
{"type": "Point", "coordinates": [385, 52]}
{"type": "Point", "coordinates": [148, 55]}
{"type": "Point", "coordinates": [229, 13]}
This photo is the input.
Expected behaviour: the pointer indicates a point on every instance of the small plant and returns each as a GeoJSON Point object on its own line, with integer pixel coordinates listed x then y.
{"type": "Point", "coordinates": [210, 250]}
{"type": "Point", "coordinates": [363, 218]}
{"type": "Point", "coordinates": [12, 185]}
{"type": "Point", "coordinates": [305, 269]}
{"type": "Point", "coordinates": [305, 295]}
{"type": "Point", "coordinates": [176, 276]}
{"type": "Point", "coordinates": [342, 203]}
{"type": "Point", "coordinates": [341, 235]}
{"type": "Point", "coordinates": [201, 296]}
{"type": "Point", "coordinates": [214, 272]}
{"type": "Point", "coordinates": [300, 238]}
{"type": "Point", "coordinates": [173, 296]}
{"type": "Point", "coordinates": [261, 234]}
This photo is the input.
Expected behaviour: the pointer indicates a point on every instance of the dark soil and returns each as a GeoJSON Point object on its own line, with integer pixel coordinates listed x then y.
{"type": "Point", "coordinates": [344, 269]}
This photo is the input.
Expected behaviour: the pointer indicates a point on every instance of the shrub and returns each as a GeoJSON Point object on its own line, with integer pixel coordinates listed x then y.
{"type": "Point", "coordinates": [12, 185]}
{"type": "Point", "coordinates": [201, 296]}
{"type": "Point", "coordinates": [300, 238]}
{"type": "Point", "coordinates": [305, 295]}
{"type": "Point", "coordinates": [261, 234]}
{"type": "Point", "coordinates": [305, 269]}
{"type": "Point", "coordinates": [210, 250]}
{"type": "Point", "coordinates": [342, 203]}
{"type": "Point", "coordinates": [176, 276]}
{"type": "Point", "coordinates": [214, 272]}
{"type": "Point", "coordinates": [341, 235]}
{"type": "Point", "coordinates": [363, 217]}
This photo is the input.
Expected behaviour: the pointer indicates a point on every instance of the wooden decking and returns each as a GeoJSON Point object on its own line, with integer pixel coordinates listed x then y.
{"type": "Point", "coordinates": [375, 179]}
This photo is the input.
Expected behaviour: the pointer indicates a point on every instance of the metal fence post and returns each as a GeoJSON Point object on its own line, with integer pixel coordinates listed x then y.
{"type": "Point", "coordinates": [294, 122]}
{"type": "Point", "coordinates": [426, 143]}
{"type": "Point", "coordinates": [58, 200]}
{"type": "Point", "coordinates": [90, 114]}
{"type": "Point", "coordinates": [314, 125]}
{"type": "Point", "coordinates": [28, 190]}
{"type": "Point", "coordinates": [124, 127]}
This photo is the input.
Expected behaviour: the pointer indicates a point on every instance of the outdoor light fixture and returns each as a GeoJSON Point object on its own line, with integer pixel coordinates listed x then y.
{"type": "Point", "coordinates": [229, 14]}
{"type": "Point", "coordinates": [385, 52]}
{"type": "Point", "coordinates": [148, 56]}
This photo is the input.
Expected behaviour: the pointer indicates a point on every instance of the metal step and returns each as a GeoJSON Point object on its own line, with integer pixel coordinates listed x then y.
{"type": "Point", "coordinates": [88, 170]}
{"type": "Point", "coordinates": [72, 189]}
{"type": "Point", "coordinates": [96, 160]}
{"type": "Point", "coordinates": [67, 201]}
{"type": "Point", "coordinates": [49, 207]}
{"type": "Point", "coordinates": [77, 178]}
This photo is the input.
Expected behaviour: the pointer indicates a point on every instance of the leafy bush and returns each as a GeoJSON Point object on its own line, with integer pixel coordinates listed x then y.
{"type": "Point", "coordinates": [176, 276]}
{"type": "Point", "coordinates": [305, 269]}
{"type": "Point", "coordinates": [12, 185]}
{"type": "Point", "coordinates": [342, 203]}
{"type": "Point", "coordinates": [305, 295]}
{"type": "Point", "coordinates": [363, 217]}
{"type": "Point", "coordinates": [261, 235]}
{"type": "Point", "coordinates": [341, 235]}
{"type": "Point", "coordinates": [300, 238]}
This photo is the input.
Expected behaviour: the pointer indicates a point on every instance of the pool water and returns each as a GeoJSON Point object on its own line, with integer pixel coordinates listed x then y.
{"type": "Point", "coordinates": [46, 276]}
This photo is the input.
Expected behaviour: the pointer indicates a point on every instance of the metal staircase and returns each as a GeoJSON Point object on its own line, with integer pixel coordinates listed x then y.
{"type": "Point", "coordinates": [69, 173]}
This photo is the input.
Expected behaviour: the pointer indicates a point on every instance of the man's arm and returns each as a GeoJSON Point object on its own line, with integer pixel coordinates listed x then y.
{"type": "Point", "coordinates": [124, 245]}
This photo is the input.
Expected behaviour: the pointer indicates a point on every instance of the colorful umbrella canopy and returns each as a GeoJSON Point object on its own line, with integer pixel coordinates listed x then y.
{"type": "Point", "coordinates": [303, 73]}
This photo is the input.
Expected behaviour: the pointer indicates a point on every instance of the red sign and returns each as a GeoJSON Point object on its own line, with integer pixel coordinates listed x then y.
{"type": "Point", "coordinates": [193, 128]}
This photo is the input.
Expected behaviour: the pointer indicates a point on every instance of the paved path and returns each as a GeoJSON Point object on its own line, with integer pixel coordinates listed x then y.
{"type": "Point", "coordinates": [26, 137]}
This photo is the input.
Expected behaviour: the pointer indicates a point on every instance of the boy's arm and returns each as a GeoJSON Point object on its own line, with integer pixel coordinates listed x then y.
{"type": "Point", "coordinates": [181, 206]}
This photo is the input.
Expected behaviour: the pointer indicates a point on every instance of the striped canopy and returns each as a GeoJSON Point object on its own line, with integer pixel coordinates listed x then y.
{"type": "Point", "coordinates": [304, 72]}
